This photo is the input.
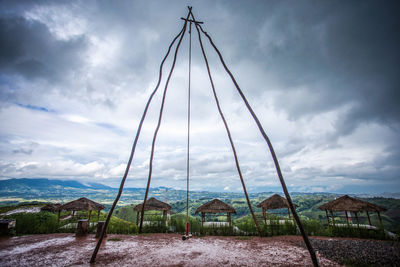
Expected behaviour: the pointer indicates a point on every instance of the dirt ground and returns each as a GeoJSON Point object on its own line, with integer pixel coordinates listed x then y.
{"type": "Point", "coordinates": [154, 250]}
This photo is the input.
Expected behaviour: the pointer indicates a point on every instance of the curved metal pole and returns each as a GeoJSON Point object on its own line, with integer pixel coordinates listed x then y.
{"type": "Point", "coordinates": [159, 124]}
{"type": "Point", "coordinates": [228, 132]}
{"type": "Point", "coordinates": [278, 169]}
{"type": "Point", "coordinates": [93, 259]}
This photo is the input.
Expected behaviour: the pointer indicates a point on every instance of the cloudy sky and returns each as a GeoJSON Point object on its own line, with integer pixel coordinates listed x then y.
{"type": "Point", "coordinates": [322, 76]}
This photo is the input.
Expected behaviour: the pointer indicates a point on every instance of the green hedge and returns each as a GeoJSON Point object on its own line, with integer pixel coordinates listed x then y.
{"type": "Point", "coordinates": [46, 223]}
{"type": "Point", "coordinates": [178, 225]}
{"type": "Point", "coordinates": [356, 232]}
{"type": "Point", "coordinates": [34, 223]}
{"type": "Point", "coordinates": [119, 226]}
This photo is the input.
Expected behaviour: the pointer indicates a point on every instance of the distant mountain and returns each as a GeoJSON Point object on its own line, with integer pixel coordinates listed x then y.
{"type": "Point", "coordinates": [61, 191]}
{"type": "Point", "coordinates": [391, 195]}
{"type": "Point", "coordinates": [26, 184]}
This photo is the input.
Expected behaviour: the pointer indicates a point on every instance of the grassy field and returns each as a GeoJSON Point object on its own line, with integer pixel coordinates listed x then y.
{"type": "Point", "coordinates": [124, 219]}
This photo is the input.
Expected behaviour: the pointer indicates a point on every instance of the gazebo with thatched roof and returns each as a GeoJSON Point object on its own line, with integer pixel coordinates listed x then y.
{"type": "Point", "coordinates": [350, 204]}
{"type": "Point", "coordinates": [272, 203]}
{"type": "Point", "coordinates": [213, 207]}
{"type": "Point", "coordinates": [153, 204]}
{"type": "Point", "coordinates": [82, 204]}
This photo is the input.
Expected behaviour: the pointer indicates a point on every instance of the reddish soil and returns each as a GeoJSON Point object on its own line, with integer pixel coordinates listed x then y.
{"type": "Point", "coordinates": [155, 250]}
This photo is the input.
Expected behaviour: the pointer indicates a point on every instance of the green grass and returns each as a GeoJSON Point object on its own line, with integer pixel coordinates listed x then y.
{"type": "Point", "coordinates": [114, 239]}
{"type": "Point", "coordinates": [244, 237]}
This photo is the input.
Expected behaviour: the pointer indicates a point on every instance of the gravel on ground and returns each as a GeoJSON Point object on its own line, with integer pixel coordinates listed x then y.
{"type": "Point", "coordinates": [170, 250]}
{"type": "Point", "coordinates": [155, 250]}
{"type": "Point", "coordinates": [358, 251]}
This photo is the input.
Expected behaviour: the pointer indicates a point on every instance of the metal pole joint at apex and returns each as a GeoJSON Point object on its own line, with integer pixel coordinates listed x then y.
{"type": "Point", "coordinates": [260, 127]}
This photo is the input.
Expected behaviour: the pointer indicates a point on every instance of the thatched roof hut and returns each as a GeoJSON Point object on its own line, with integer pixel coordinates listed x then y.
{"type": "Point", "coordinates": [82, 204]}
{"type": "Point", "coordinates": [51, 207]}
{"type": "Point", "coordinates": [347, 203]}
{"type": "Point", "coordinates": [153, 204]}
{"type": "Point", "coordinates": [272, 203]}
{"type": "Point", "coordinates": [350, 204]}
{"type": "Point", "coordinates": [215, 206]}
{"type": "Point", "coordinates": [275, 202]}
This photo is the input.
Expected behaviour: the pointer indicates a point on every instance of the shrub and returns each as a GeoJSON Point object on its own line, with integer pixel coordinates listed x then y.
{"type": "Point", "coordinates": [275, 228]}
{"type": "Point", "coordinates": [46, 223]}
{"type": "Point", "coordinates": [357, 232]}
{"type": "Point", "coordinates": [314, 227]}
{"type": "Point", "coordinates": [119, 226]}
{"type": "Point", "coordinates": [35, 223]}
{"type": "Point", "coordinates": [155, 227]}
{"type": "Point", "coordinates": [217, 230]}
{"type": "Point", "coordinates": [178, 224]}
{"type": "Point", "coordinates": [247, 226]}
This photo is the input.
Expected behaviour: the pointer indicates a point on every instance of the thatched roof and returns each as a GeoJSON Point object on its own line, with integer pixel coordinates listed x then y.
{"type": "Point", "coordinates": [51, 207]}
{"type": "Point", "coordinates": [346, 203]}
{"type": "Point", "coordinates": [215, 206]}
{"type": "Point", "coordinates": [275, 202]}
{"type": "Point", "coordinates": [82, 204]}
{"type": "Point", "coordinates": [153, 204]}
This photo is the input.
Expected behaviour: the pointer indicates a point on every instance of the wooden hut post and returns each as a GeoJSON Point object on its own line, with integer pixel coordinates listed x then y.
{"type": "Point", "coordinates": [347, 218]}
{"type": "Point", "coordinates": [203, 218]}
{"type": "Point", "coordinates": [98, 215]}
{"type": "Point", "coordinates": [369, 219]}
{"type": "Point", "coordinates": [82, 228]}
{"type": "Point", "coordinates": [100, 226]}
{"type": "Point", "coordinates": [90, 214]}
{"type": "Point", "coordinates": [380, 219]}
{"type": "Point", "coordinates": [333, 218]}
{"type": "Point", "coordinates": [264, 215]}
{"type": "Point", "coordinates": [327, 217]}
{"type": "Point", "coordinates": [358, 224]}
{"type": "Point", "coordinates": [164, 214]}
{"type": "Point", "coordinates": [228, 214]}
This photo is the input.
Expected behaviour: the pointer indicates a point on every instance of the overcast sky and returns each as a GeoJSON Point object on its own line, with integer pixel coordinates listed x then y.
{"type": "Point", "coordinates": [322, 76]}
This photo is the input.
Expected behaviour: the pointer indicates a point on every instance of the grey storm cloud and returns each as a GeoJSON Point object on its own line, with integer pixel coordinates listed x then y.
{"type": "Point", "coordinates": [338, 53]}
{"type": "Point", "coordinates": [28, 48]}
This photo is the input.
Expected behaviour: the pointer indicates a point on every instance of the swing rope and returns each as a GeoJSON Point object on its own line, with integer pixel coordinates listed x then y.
{"type": "Point", "coordinates": [158, 126]}
{"type": "Point", "coordinates": [188, 131]}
